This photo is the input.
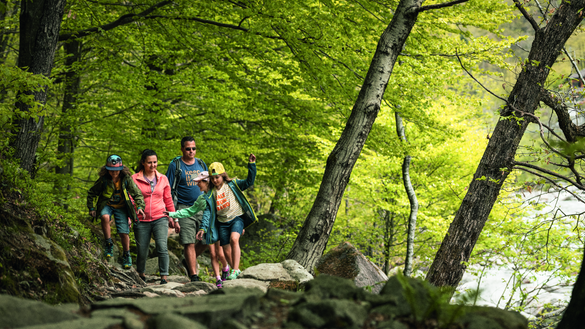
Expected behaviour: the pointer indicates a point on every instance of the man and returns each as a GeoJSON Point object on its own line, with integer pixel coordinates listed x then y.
{"type": "Point", "coordinates": [187, 192]}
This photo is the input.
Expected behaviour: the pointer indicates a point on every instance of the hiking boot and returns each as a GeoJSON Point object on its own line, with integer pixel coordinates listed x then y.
{"type": "Point", "coordinates": [127, 260]}
{"type": "Point", "coordinates": [234, 274]}
{"type": "Point", "coordinates": [225, 274]}
{"type": "Point", "coordinates": [163, 281]}
{"type": "Point", "coordinates": [219, 283]}
{"type": "Point", "coordinates": [195, 278]}
{"type": "Point", "coordinates": [109, 251]}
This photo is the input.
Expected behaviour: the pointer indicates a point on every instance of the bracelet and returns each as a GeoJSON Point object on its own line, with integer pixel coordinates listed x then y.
{"type": "Point", "coordinates": [176, 220]}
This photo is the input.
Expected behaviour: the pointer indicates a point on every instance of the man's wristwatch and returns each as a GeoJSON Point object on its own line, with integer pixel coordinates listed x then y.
{"type": "Point", "coordinates": [176, 220]}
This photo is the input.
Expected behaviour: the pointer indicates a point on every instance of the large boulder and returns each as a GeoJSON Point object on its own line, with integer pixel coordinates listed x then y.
{"type": "Point", "coordinates": [347, 262]}
{"type": "Point", "coordinates": [64, 284]}
{"type": "Point", "coordinates": [266, 272]}
{"type": "Point", "coordinates": [247, 284]}
{"type": "Point", "coordinates": [288, 275]}
{"type": "Point", "coordinates": [297, 272]}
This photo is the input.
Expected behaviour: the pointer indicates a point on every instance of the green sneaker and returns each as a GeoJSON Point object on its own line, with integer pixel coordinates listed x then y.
{"type": "Point", "coordinates": [109, 251]}
{"type": "Point", "coordinates": [127, 260]}
{"type": "Point", "coordinates": [234, 274]}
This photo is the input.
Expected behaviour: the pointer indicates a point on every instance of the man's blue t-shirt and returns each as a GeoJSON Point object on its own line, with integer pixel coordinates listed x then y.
{"type": "Point", "coordinates": [187, 189]}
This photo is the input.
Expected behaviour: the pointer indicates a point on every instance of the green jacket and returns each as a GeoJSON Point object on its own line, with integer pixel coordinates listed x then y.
{"type": "Point", "coordinates": [198, 206]}
{"type": "Point", "coordinates": [208, 223]}
{"type": "Point", "coordinates": [103, 189]}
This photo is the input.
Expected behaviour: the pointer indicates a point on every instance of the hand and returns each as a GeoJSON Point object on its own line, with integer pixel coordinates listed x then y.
{"type": "Point", "coordinates": [129, 222]}
{"type": "Point", "coordinates": [243, 231]}
{"type": "Point", "coordinates": [199, 235]}
{"type": "Point", "coordinates": [166, 213]}
{"type": "Point", "coordinates": [141, 212]}
{"type": "Point", "coordinates": [252, 158]}
{"type": "Point", "coordinates": [172, 223]}
{"type": "Point", "coordinates": [92, 213]}
{"type": "Point", "coordinates": [177, 228]}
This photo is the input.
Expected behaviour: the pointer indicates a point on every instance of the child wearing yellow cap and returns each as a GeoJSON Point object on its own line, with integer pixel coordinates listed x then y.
{"type": "Point", "coordinates": [230, 208]}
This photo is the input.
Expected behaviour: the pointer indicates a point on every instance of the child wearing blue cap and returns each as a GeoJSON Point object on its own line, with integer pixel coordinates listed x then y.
{"type": "Point", "coordinates": [112, 189]}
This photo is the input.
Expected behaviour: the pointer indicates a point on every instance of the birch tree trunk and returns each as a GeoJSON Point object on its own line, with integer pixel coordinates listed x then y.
{"type": "Point", "coordinates": [313, 237]}
{"type": "Point", "coordinates": [40, 23]}
{"type": "Point", "coordinates": [448, 266]}
{"type": "Point", "coordinates": [411, 218]}
{"type": "Point", "coordinates": [401, 131]}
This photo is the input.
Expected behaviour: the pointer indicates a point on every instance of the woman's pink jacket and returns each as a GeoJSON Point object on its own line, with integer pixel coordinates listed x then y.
{"type": "Point", "coordinates": [156, 201]}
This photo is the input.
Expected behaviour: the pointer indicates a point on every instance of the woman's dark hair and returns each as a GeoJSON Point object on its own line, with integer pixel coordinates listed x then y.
{"type": "Point", "coordinates": [145, 154]}
{"type": "Point", "coordinates": [105, 172]}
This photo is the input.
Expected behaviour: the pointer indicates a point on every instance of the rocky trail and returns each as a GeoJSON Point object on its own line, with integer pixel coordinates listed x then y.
{"type": "Point", "coordinates": [278, 295]}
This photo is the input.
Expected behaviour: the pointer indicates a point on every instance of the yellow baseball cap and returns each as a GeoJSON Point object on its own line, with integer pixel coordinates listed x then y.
{"type": "Point", "coordinates": [216, 168]}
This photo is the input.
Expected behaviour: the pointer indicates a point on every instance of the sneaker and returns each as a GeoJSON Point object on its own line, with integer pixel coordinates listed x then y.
{"type": "Point", "coordinates": [225, 274]}
{"type": "Point", "coordinates": [219, 283]}
{"type": "Point", "coordinates": [234, 274]}
{"type": "Point", "coordinates": [163, 281]}
{"type": "Point", "coordinates": [127, 260]}
{"type": "Point", "coordinates": [195, 278]}
{"type": "Point", "coordinates": [109, 251]}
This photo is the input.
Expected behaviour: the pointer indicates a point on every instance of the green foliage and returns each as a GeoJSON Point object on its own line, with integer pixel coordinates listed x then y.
{"type": "Point", "coordinates": [429, 302]}
{"type": "Point", "coordinates": [279, 79]}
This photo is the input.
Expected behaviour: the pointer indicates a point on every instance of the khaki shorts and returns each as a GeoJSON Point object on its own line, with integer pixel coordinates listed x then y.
{"type": "Point", "coordinates": [189, 226]}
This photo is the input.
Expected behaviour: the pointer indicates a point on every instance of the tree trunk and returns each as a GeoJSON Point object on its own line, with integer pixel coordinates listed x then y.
{"type": "Point", "coordinates": [313, 237]}
{"type": "Point", "coordinates": [389, 233]}
{"type": "Point", "coordinates": [411, 218]}
{"type": "Point", "coordinates": [65, 146]}
{"type": "Point", "coordinates": [401, 131]}
{"type": "Point", "coordinates": [449, 263]}
{"type": "Point", "coordinates": [574, 316]}
{"type": "Point", "coordinates": [40, 22]}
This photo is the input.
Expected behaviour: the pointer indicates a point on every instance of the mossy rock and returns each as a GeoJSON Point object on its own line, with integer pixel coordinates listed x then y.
{"type": "Point", "coordinates": [492, 318]}
{"type": "Point", "coordinates": [332, 313]}
{"type": "Point", "coordinates": [328, 286]}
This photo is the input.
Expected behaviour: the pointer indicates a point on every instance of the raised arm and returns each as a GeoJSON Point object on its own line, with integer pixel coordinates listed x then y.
{"type": "Point", "coordinates": [249, 181]}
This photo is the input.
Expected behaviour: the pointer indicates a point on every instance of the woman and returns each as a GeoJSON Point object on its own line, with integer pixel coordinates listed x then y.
{"type": "Point", "coordinates": [157, 198]}
{"type": "Point", "coordinates": [112, 189]}
{"type": "Point", "coordinates": [200, 204]}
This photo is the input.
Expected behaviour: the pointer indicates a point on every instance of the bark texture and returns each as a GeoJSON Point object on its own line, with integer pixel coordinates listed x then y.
{"type": "Point", "coordinates": [448, 267]}
{"type": "Point", "coordinates": [574, 316]}
{"type": "Point", "coordinates": [571, 131]}
{"type": "Point", "coordinates": [314, 234]}
{"type": "Point", "coordinates": [411, 218]}
{"type": "Point", "coordinates": [40, 22]}
{"type": "Point", "coordinates": [65, 147]}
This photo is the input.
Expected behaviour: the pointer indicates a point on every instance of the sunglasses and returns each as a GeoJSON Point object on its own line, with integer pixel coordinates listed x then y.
{"type": "Point", "coordinates": [190, 148]}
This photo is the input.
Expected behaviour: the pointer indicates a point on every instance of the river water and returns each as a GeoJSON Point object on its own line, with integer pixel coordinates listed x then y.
{"type": "Point", "coordinates": [539, 288]}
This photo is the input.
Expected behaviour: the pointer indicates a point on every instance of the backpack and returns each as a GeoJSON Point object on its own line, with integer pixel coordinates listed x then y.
{"type": "Point", "coordinates": [177, 177]}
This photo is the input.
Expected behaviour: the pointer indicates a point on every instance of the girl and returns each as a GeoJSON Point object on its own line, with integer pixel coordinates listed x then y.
{"type": "Point", "coordinates": [112, 190]}
{"type": "Point", "coordinates": [157, 197]}
{"type": "Point", "coordinates": [231, 209]}
{"type": "Point", "coordinates": [211, 240]}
